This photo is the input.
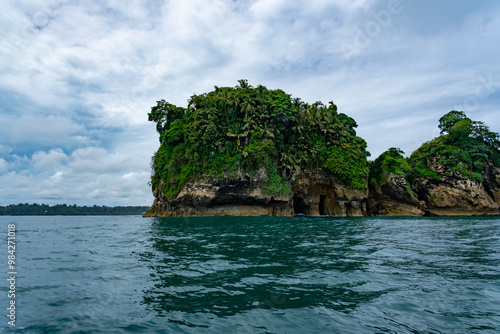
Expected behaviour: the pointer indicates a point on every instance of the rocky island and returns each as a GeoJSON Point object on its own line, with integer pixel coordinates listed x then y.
{"type": "Point", "coordinates": [251, 151]}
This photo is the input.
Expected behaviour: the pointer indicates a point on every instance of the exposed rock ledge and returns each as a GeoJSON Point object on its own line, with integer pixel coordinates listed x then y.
{"type": "Point", "coordinates": [451, 195]}
{"type": "Point", "coordinates": [240, 197]}
{"type": "Point", "coordinates": [393, 198]}
{"type": "Point", "coordinates": [455, 195]}
{"type": "Point", "coordinates": [314, 193]}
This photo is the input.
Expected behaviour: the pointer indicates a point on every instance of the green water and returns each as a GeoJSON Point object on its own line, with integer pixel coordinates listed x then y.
{"type": "Point", "coordinates": [255, 275]}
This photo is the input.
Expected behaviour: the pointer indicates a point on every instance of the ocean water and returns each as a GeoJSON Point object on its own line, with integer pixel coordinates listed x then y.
{"type": "Point", "coordinates": [117, 274]}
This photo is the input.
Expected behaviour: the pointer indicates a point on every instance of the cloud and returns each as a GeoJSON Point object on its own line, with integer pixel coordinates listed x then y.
{"type": "Point", "coordinates": [78, 78]}
{"type": "Point", "coordinates": [5, 149]}
{"type": "Point", "coordinates": [48, 160]}
{"type": "Point", "coordinates": [99, 161]}
{"type": "Point", "coordinates": [50, 128]}
{"type": "Point", "coordinates": [88, 175]}
{"type": "Point", "coordinates": [4, 166]}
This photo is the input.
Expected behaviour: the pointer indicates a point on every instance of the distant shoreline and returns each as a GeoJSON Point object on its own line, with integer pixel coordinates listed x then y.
{"type": "Point", "coordinates": [70, 210]}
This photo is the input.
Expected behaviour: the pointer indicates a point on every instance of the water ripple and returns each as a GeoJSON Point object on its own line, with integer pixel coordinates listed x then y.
{"type": "Point", "coordinates": [258, 275]}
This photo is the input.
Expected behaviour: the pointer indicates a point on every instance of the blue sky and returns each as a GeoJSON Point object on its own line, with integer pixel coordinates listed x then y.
{"type": "Point", "coordinates": [79, 77]}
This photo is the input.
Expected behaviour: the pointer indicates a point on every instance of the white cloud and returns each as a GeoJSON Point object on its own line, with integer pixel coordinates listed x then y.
{"type": "Point", "coordinates": [48, 160]}
{"type": "Point", "coordinates": [99, 161]}
{"type": "Point", "coordinates": [51, 128]}
{"type": "Point", "coordinates": [89, 175]}
{"type": "Point", "coordinates": [78, 78]}
{"type": "Point", "coordinates": [5, 149]}
{"type": "Point", "coordinates": [4, 166]}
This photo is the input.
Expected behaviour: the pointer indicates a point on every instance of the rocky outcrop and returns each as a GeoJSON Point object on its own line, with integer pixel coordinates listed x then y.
{"type": "Point", "coordinates": [221, 197]}
{"type": "Point", "coordinates": [450, 195]}
{"type": "Point", "coordinates": [313, 193]}
{"type": "Point", "coordinates": [393, 198]}
{"type": "Point", "coordinates": [317, 194]}
{"type": "Point", "coordinates": [492, 181]}
{"type": "Point", "coordinates": [455, 195]}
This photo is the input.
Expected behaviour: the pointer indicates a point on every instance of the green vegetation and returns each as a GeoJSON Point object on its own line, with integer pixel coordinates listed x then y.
{"type": "Point", "coordinates": [69, 210]}
{"type": "Point", "coordinates": [235, 130]}
{"type": "Point", "coordinates": [391, 161]}
{"type": "Point", "coordinates": [464, 146]}
{"type": "Point", "coordinates": [242, 129]}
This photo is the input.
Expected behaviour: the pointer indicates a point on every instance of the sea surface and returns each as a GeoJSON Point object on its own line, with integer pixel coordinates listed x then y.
{"type": "Point", "coordinates": [127, 274]}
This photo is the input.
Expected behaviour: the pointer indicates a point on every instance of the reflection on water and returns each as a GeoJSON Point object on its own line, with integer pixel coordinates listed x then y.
{"type": "Point", "coordinates": [229, 265]}
{"type": "Point", "coordinates": [225, 266]}
{"type": "Point", "coordinates": [258, 275]}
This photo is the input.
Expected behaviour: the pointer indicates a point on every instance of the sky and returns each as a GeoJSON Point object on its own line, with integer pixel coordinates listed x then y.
{"type": "Point", "coordinates": [79, 77]}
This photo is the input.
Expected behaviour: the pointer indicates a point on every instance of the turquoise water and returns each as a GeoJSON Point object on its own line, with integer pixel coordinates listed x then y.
{"type": "Point", "coordinates": [254, 275]}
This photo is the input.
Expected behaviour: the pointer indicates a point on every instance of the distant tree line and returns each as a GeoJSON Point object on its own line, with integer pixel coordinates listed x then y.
{"type": "Point", "coordinates": [69, 210]}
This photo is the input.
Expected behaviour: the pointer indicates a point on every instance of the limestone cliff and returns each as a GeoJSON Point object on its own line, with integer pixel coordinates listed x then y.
{"type": "Point", "coordinates": [242, 196]}
{"type": "Point", "coordinates": [455, 195]}
{"type": "Point", "coordinates": [317, 194]}
{"type": "Point", "coordinates": [314, 193]}
{"type": "Point", "coordinates": [393, 198]}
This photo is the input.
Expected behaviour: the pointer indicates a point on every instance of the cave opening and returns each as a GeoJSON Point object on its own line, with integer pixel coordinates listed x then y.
{"type": "Point", "coordinates": [298, 205]}
{"type": "Point", "coordinates": [322, 210]}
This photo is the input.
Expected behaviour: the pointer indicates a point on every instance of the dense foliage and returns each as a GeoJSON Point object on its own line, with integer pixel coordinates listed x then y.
{"type": "Point", "coordinates": [391, 161]}
{"type": "Point", "coordinates": [242, 129]}
{"type": "Point", "coordinates": [69, 210]}
{"type": "Point", "coordinates": [464, 147]}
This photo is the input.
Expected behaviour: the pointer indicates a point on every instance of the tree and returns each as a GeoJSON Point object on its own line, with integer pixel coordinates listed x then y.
{"type": "Point", "coordinates": [390, 161]}
{"type": "Point", "coordinates": [236, 131]}
{"type": "Point", "coordinates": [447, 121]}
{"type": "Point", "coordinates": [465, 146]}
{"type": "Point", "coordinates": [483, 132]}
{"type": "Point", "coordinates": [460, 128]}
{"type": "Point", "coordinates": [163, 114]}
{"type": "Point", "coordinates": [243, 84]}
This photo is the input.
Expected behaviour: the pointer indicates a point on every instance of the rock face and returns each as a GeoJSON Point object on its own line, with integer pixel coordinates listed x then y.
{"type": "Point", "coordinates": [451, 195]}
{"type": "Point", "coordinates": [314, 193]}
{"type": "Point", "coordinates": [492, 182]}
{"type": "Point", "coordinates": [456, 195]}
{"type": "Point", "coordinates": [239, 197]}
{"type": "Point", "coordinates": [393, 198]}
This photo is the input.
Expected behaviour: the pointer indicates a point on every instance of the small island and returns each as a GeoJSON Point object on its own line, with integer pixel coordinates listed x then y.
{"type": "Point", "coordinates": [252, 151]}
